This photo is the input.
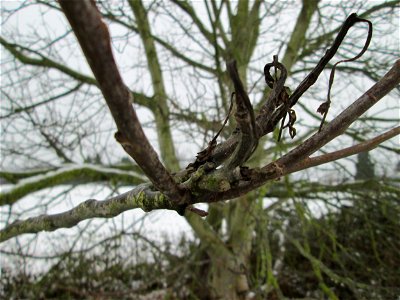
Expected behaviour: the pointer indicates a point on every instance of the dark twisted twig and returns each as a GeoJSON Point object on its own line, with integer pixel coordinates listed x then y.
{"type": "Point", "coordinates": [269, 117]}
{"type": "Point", "coordinates": [276, 106]}
{"type": "Point", "coordinates": [300, 156]}
{"type": "Point", "coordinates": [324, 107]}
{"type": "Point", "coordinates": [245, 120]}
{"type": "Point", "coordinates": [204, 156]}
{"type": "Point", "coordinates": [279, 95]}
{"type": "Point", "coordinates": [313, 75]}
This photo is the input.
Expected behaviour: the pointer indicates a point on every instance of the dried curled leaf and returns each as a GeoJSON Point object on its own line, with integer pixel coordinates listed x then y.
{"type": "Point", "coordinates": [351, 20]}
{"type": "Point", "coordinates": [324, 107]}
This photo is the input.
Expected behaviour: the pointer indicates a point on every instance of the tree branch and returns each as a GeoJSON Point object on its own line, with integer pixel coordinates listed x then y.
{"type": "Point", "coordinates": [94, 38]}
{"type": "Point", "coordinates": [69, 173]}
{"type": "Point", "coordinates": [314, 190]}
{"type": "Point", "coordinates": [299, 33]}
{"type": "Point", "coordinates": [205, 183]}
{"type": "Point", "coordinates": [318, 41]}
{"type": "Point", "coordinates": [245, 120]}
{"type": "Point", "coordinates": [161, 109]}
{"type": "Point", "coordinates": [140, 197]}
{"type": "Point", "coordinates": [271, 114]}
{"type": "Point", "coordinates": [362, 147]}
{"type": "Point", "coordinates": [33, 106]}
{"type": "Point", "coordinates": [274, 170]}
{"type": "Point", "coordinates": [314, 74]}
{"type": "Point", "coordinates": [143, 197]}
{"type": "Point", "coordinates": [338, 125]}
{"type": "Point", "coordinates": [47, 62]}
{"type": "Point", "coordinates": [188, 9]}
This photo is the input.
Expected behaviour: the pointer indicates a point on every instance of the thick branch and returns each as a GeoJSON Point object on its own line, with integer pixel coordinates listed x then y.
{"type": "Point", "coordinates": [94, 38]}
{"type": "Point", "coordinates": [143, 197]}
{"type": "Point", "coordinates": [140, 197]}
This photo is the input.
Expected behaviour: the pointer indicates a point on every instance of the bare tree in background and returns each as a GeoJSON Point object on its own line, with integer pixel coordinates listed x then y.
{"type": "Point", "coordinates": [171, 69]}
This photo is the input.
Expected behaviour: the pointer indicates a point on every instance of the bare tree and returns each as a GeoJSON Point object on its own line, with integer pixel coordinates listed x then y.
{"type": "Point", "coordinates": [57, 135]}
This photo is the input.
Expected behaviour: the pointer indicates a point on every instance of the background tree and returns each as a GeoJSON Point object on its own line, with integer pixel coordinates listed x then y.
{"type": "Point", "coordinates": [58, 135]}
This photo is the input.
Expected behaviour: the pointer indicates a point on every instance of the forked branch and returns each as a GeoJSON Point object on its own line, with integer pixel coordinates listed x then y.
{"type": "Point", "coordinates": [202, 180]}
{"type": "Point", "coordinates": [94, 39]}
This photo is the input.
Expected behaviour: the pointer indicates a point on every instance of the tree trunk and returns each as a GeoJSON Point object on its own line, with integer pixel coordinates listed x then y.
{"type": "Point", "coordinates": [227, 279]}
{"type": "Point", "coordinates": [228, 274]}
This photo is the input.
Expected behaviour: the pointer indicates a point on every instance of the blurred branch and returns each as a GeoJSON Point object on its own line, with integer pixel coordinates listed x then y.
{"type": "Point", "coordinates": [55, 145]}
{"type": "Point", "coordinates": [46, 62]}
{"type": "Point", "coordinates": [299, 33]}
{"type": "Point", "coordinates": [68, 174]}
{"type": "Point", "coordinates": [43, 61]}
{"type": "Point", "coordinates": [168, 46]}
{"type": "Point", "coordinates": [310, 190]}
{"type": "Point", "coordinates": [14, 177]}
{"type": "Point", "coordinates": [188, 9]}
{"type": "Point", "coordinates": [51, 99]}
{"type": "Point", "coordinates": [161, 109]}
{"type": "Point", "coordinates": [322, 267]}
